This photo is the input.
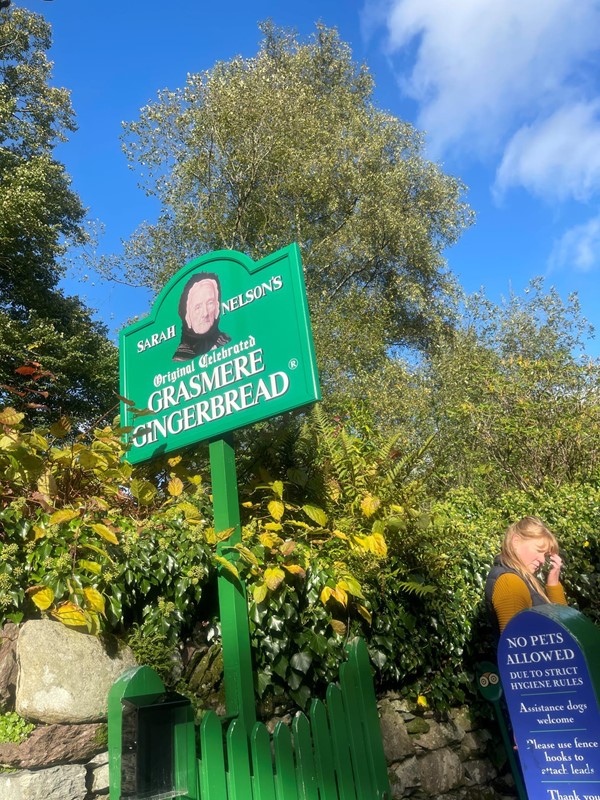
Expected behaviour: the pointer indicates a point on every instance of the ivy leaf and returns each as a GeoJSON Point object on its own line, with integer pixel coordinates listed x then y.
{"type": "Point", "coordinates": [301, 661]}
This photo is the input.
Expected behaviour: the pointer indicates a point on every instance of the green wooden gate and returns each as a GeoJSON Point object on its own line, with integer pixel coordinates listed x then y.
{"type": "Point", "coordinates": [333, 753]}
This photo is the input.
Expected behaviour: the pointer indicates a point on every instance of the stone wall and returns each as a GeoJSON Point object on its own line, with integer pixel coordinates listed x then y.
{"type": "Point", "coordinates": [448, 759]}
{"type": "Point", "coordinates": [60, 679]}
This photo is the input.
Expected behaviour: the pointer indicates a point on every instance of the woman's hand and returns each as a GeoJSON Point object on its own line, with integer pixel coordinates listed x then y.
{"type": "Point", "coordinates": [553, 576]}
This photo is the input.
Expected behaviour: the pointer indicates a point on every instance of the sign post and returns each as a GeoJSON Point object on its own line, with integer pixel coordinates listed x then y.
{"type": "Point", "coordinates": [227, 344]}
{"type": "Point", "coordinates": [548, 663]}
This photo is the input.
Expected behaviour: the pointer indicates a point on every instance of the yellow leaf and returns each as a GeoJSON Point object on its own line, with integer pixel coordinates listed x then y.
{"type": "Point", "coordinates": [276, 509]}
{"type": "Point", "coordinates": [260, 592]}
{"type": "Point", "coordinates": [47, 485]}
{"type": "Point", "coordinates": [61, 428]}
{"type": "Point", "coordinates": [352, 586]}
{"type": "Point", "coordinates": [295, 569]}
{"type": "Point", "coordinates": [224, 534]}
{"type": "Point", "coordinates": [228, 565]}
{"type": "Point", "coordinates": [92, 566]}
{"type": "Point", "coordinates": [273, 577]}
{"type": "Point", "coordinates": [272, 526]}
{"type": "Point", "coordinates": [369, 505]}
{"type": "Point", "coordinates": [287, 548]}
{"type": "Point", "coordinates": [189, 511]}
{"type": "Point", "coordinates": [209, 535]}
{"type": "Point", "coordinates": [70, 614]}
{"type": "Point", "coordinates": [143, 491]}
{"type": "Point", "coordinates": [364, 612]}
{"type": "Point", "coordinates": [39, 532]}
{"type": "Point", "coordinates": [172, 462]}
{"type": "Point", "coordinates": [64, 515]}
{"type": "Point", "coordinates": [379, 545]}
{"type": "Point", "coordinates": [93, 623]}
{"type": "Point", "coordinates": [316, 514]}
{"type": "Point", "coordinates": [277, 487]}
{"type": "Point", "coordinates": [268, 539]}
{"type": "Point", "coordinates": [340, 595]}
{"type": "Point", "coordinates": [338, 627]}
{"type": "Point", "coordinates": [247, 555]}
{"type": "Point", "coordinates": [340, 534]}
{"type": "Point", "coordinates": [98, 550]}
{"type": "Point", "coordinates": [8, 416]}
{"type": "Point", "coordinates": [94, 599]}
{"type": "Point", "coordinates": [422, 701]}
{"type": "Point", "coordinates": [248, 504]}
{"type": "Point", "coordinates": [104, 532]}
{"type": "Point", "coordinates": [42, 596]}
{"type": "Point", "coordinates": [326, 594]}
{"type": "Point", "coordinates": [175, 487]}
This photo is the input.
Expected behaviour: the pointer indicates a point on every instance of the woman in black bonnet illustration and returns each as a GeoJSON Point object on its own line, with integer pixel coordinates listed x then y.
{"type": "Point", "coordinates": [199, 309]}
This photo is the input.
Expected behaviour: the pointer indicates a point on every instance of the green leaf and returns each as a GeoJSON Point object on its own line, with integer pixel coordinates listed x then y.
{"type": "Point", "coordinates": [316, 514]}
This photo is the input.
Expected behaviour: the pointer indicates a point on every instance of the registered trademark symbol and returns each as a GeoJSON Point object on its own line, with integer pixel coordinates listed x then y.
{"type": "Point", "coordinates": [293, 363]}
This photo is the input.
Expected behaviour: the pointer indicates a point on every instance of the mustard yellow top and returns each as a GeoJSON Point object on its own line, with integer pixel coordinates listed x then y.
{"type": "Point", "coordinates": [512, 595]}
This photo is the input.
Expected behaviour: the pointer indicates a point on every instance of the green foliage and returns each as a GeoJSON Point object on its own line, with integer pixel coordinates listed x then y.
{"type": "Point", "coordinates": [81, 538]}
{"type": "Point", "coordinates": [41, 216]}
{"type": "Point", "coordinates": [152, 648]}
{"type": "Point", "coordinates": [513, 399]}
{"type": "Point", "coordinates": [288, 145]}
{"type": "Point", "coordinates": [13, 728]}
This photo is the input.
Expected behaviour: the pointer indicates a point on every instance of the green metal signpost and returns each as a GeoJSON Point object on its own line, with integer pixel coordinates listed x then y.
{"type": "Point", "coordinates": [227, 344]}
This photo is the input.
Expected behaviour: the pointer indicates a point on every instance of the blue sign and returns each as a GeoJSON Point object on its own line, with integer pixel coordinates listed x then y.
{"type": "Point", "coordinates": [553, 706]}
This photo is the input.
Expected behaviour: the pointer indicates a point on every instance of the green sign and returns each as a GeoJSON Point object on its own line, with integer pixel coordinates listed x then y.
{"type": "Point", "coordinates": [227, 344]}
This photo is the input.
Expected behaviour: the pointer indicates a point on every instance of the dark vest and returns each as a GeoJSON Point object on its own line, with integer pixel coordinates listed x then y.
{"type": "Point", "coordinates": [498, 568]}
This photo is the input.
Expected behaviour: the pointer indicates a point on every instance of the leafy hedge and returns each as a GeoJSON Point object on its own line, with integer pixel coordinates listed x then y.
{"type": "Point", "coordinates": [345, 542]}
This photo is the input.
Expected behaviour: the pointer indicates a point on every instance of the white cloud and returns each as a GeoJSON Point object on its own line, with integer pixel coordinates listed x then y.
{"type": "Point", "coordinates": [556, 157]}
{"type": "Point", "coordinates": [578, 248]}
{"type": "Point", "coordinates": [490, 72]}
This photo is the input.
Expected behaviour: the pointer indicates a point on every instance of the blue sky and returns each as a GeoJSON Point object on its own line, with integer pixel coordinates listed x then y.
{"type": "Point", "coordinates": [507, 92]}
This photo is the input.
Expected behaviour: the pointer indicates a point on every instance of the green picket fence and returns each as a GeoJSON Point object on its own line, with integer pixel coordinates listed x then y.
{"type": "Point", "coordinates": [333, 753]}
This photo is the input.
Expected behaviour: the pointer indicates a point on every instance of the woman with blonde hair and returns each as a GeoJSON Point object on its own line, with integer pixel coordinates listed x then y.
{"type": "Point", "coordinates": [512, 584]}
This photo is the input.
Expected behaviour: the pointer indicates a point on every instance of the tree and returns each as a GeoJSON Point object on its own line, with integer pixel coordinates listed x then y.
{"type": "Point", "coordinates": [288, 145]}
{"type": "Point", "coordinates": [515, 401]}
{"type": "Point", "coordinates": [40, 216]}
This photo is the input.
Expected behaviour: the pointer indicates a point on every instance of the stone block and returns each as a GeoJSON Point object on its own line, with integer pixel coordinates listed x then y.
{"type": "Point", "coordinates": [65, 675]}
{"type": "Point", "coordinates": [441, 771]}
{"type": "Point", "coordinates": [57, 783]}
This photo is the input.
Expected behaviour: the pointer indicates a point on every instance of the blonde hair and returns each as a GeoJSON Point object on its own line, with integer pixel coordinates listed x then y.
{"type": "Point", "coordinates": [527, 528]}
